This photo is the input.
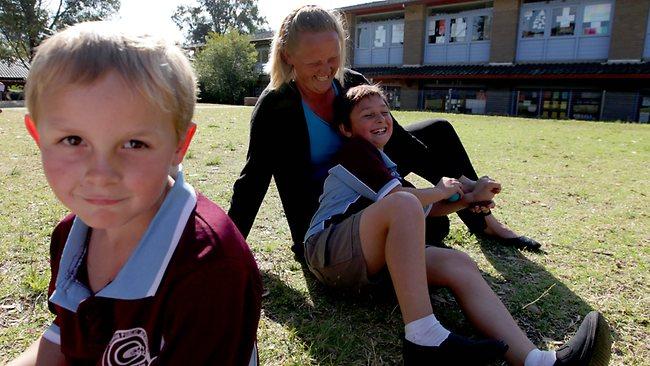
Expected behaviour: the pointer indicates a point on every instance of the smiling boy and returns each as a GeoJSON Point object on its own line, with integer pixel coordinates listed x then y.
{"type": "Point", "coordinates": [371, 222]}
{"type": "Point", "coordinates": [145, 270]}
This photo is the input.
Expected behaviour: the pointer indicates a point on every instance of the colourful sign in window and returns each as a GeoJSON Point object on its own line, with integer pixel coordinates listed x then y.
{"type": "Point", "coordinates": [534, 23]}
{"type": "Point", "coordinates": [397, 32]}
{"type": "Point", "coordinates": [596, 19]}
{"type": "Point", "coordinates": [380, 36]}
{"type": "Point", "coordinates": [564, 21]}
{"type": "Point", "coordinates": [482, 28]}
{"type": "Point", "coordinates": [437, 31]}
{"type": "Point", "coordinates": [458, 30]}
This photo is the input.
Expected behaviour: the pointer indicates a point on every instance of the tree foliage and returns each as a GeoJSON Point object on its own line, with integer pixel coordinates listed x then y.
{"type": "Point", "coordinates": [24, 24]}
{"type": "Point", "coordinates": [225, 67]}
{"type": "Point", "coordinates": [218, 16]}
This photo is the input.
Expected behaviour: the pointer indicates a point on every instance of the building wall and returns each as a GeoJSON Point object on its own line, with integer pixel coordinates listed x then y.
{"type": "Point", "coordinates": [410, 94]}
{"type": "Point", "coordinates": [350, 25]}
{"type": "Point", "coordinates": [504, 30]}
{"type": "Point", "coordinates": [628, 29]}
{"type": "Point", "coordinates": [414, 28]}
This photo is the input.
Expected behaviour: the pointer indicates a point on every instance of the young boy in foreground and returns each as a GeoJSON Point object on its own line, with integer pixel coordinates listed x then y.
{"type": "Point", "coordinates": [144, 271]}
{"type": "Point", "coordinates": [370, 220]}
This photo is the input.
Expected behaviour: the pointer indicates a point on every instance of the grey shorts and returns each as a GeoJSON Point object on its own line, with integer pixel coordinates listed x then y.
{"type": "Point", "coordinates": [335, 256]}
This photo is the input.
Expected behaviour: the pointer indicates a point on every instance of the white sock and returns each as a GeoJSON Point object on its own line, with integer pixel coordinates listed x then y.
{"type": "Point", "coordinates": [426, 331]}
{"type": "Point", "coordinates": [538, 357]}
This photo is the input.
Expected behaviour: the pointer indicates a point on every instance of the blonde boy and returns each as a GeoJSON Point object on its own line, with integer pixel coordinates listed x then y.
{"type": "Point", "coordinates": [144, 270]}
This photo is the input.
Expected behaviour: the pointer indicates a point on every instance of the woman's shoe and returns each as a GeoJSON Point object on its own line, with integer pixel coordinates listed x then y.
{"type": "Point", "coordinates": [521, 243]}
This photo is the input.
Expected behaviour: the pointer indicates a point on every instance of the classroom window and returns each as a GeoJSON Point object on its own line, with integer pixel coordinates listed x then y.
{"type": "Point", "coordinates": [527, 103]}
{"type": "Point", "coordinates": [363, 39]}
{"type": "Point", "coordinates": [435, 99]}
{"type": "Point", "coordinates": [596, 19]}
{"type": "Point", "coordinates": [397, 36]}
{"type": "Point", "coordinates": [393, 95]}
{"type": "Point", "coordinates": [555, 104]}
{"type": "Point", "coordinates": [380, 36]}
{"type": "Point", "coordinates": [564, 21]}
{"type": "Point", "coordinates": [586, 105]}
{"type": "Point", "coordinates": [533, 23]}
{"type": "Point", "coordinates": [458, 32]}
{"type": "Point", "coordinates": [481, 28]}
{"type": "Point", "coordinates": [437, 31]}
{"type": "Point", "coordinates": [644, 109]}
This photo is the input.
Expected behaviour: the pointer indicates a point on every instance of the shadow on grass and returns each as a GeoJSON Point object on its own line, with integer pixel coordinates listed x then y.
{"type": "Point", "coordinates": [556, 311]}
{"type": "Point", "coordinates": [366, 329]}
{"type": "Point", "coordinates": [337, 328]}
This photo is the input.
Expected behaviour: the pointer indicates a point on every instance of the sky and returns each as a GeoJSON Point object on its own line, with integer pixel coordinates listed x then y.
{"type": "Point", "coordinates": [156, 14]}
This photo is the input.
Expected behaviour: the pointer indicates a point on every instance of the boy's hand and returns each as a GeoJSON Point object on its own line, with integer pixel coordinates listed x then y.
{"type": "Point", "coordinates": [447, 187]}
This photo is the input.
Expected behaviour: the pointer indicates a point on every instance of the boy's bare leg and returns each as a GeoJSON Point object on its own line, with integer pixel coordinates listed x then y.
{"type": "Point", "coordinates": [392, 234]}
{"type": "Point", "coordinates": [457, 271]}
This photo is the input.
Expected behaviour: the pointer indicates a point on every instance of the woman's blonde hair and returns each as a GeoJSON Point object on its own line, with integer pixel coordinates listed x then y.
{"type": "Point", "coordinates": [84, 53]}
{"type": "Point", "coordinates": [308, 18]}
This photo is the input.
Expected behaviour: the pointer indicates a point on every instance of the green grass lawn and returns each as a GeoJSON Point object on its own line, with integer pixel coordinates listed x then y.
{"type": "Point", "coordinates": [580, 188]}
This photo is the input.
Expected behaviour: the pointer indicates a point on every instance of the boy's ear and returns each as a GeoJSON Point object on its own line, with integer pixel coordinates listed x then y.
{"type": "Point", "coordinates": [184, 142]}
{"type": "Point", "coordinates": [345, 131]}
{"type": "Point", "coordinates": [31, 128]}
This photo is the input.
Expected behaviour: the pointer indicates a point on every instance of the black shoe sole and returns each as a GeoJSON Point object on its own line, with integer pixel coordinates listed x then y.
{"type": "Point", "coordinates": [603, 343]}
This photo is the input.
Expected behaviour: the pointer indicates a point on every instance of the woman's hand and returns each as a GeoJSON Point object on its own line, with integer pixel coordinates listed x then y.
{"type": "Point", "coordinates": [485, 189]}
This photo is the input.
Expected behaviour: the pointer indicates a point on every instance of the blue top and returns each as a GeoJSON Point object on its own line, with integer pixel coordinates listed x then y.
{"type": "Point", "coordinates": [324, 141]}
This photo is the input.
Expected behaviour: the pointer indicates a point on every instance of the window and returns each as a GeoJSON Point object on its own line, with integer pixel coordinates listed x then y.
{"type": "Point", "coordinates": [363, 39]}
{"type": "Point", "coordinates": [596, 19]}
{"type": "Point", "coordinates": [534, 23]}
{"type": "Point", "coordinates": [458, 30]}
{"type": "Point", "coordinates": [397, 36]}
{"type": "Point", "coordinates": [555, 104]}
{"type": "Point", "coordinates": [481, 28]}
{"type": "Point", "coordinates": [564, 21]}
{"type": "Point", "coordinates": [644, 110]}
{"type": "Point", "coordinates": [393, 96]}
{"type": "Point", "coordinates": [469, 101]}
{"type": "Point", "coordinates": [586, 105]}
{"type": "Point", "coordinates": [379, 42]}
{"type": "Point", "coordinates": [263, 55]}
{"type": "Point", "coordinates": [435, 99]}
{"type": "Point", "coordinates": [380, 36]}
{"type": "Point", "coordinates": [437, 31]}
{"type": "Point", "coordinates": [527, 103]}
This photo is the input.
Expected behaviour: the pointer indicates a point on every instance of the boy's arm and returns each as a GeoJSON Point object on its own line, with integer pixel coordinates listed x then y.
{"type": "Point", "coordinates": [361, 167]}
{"type": "Point", "coordinates": [41, 352]}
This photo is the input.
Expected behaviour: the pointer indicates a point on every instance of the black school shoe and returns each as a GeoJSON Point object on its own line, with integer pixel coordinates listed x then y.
{"type": "Point", "coordinates": [520, 242]}
{"type": "Point", "coordinates": [455, 350]}
{"type": "Point", "coordinates": [590, 346]}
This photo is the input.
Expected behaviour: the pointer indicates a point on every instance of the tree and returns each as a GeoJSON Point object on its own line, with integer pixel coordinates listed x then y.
{"type": "Point", "coordinates": [24, 24]}
{"type": "Point", "coordinates": [218, 16]}
{"type": "Point", "coordinates": [225, 67]}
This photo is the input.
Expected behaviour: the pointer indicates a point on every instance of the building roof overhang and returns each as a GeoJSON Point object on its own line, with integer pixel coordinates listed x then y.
{"type": "Point", "coordinates": [592, 70]}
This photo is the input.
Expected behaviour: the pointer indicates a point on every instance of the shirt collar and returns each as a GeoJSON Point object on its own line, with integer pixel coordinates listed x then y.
{"type": "Point", "coordinates": [141, 274]}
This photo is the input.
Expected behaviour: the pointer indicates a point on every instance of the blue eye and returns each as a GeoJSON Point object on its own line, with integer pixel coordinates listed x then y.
{"type": "Point", "coordinates": [72, 140]}
{"type": "Point", "coordinates": [135, 144]}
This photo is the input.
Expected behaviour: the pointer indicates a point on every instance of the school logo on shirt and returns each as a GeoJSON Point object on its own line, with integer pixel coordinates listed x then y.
{"type": "Point", "coordinates": [128, 348]}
